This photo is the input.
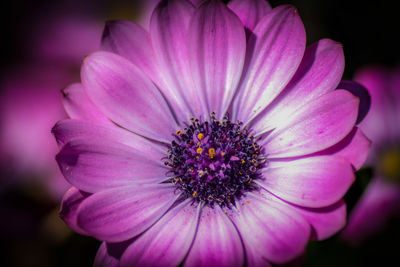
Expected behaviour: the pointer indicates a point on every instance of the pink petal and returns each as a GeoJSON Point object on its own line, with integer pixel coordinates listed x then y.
{"type": "Point", "coordinates": [320, 124]}
{"type": "Point", "coordinates": [78, 105]}
{"type": "Point", "coordinates": [217, 46]}
{"type": "Point", "coordinates": [361, 93]}
{"type": "Point", "coordinates": [167, 242]}
{"type": "Point", "coordinates": [217, 241]}
{"type": "Point", "coordinates": [69, 206]}
{"type": "Point", "coordinates": [379, 203]}
{"type": "Point", "coordinates": [250, 12]}
{"type": "Point", "coordinates": [131, 41]}
{"type": "Point", "coordinates": [274, 52]}
{"type": "Point", "coordinates": [94, 165]}
{"type": "Point", "coordinates": [270, 231]}
{"type": "Point", "coordinates": [325, 221]}
{"type": "Point", "coordinates": [320, 72]}
{"type": "Point", "coordinates": [120, 213]}
{"type": "Point", "coordinates": [169, 29]}
{"type": "Point", "coordinates": [354, 147]}
{"type": "Point", "coordinates": [126, 96]}
{"type": "Point", "coordinates": [311, 182]}
{"type": "Point", "coordinates": [68, 130]}
{"type": "Point", "coordinates": [106, 257]}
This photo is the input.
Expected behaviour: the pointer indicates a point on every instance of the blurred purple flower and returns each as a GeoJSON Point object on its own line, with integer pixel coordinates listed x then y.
{"type": "Point", "coordinates": [381, 200]}
{"type": "Point", "coordinates": [161, 181]}
{"type": "Point", "coordinates": [30, 104]}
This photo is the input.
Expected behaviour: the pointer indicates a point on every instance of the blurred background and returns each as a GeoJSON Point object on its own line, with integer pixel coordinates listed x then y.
{"type": "Point", "coordinates": [43, 44]}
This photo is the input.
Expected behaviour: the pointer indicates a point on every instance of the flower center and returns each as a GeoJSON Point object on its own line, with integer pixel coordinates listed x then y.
{"type": "Point", "coordinates": [389, 164]}
{"type": "Point", "coordinates": [214, 162]}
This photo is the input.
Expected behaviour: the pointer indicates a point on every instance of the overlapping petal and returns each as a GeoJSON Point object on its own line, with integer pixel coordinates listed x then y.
{"type": "Point", "coordinates": [320, 72]}
{"type": "Point", "coordinates": [105, 256]}
{"type": "Point", "coordinates": [250, 12]}
{"type": "Point", "coordinates": [167, 242]}
{"type": "Point", "coordinates": [68, 130]}
{"type": "Point", "coordinates": [217, 46]}
{"type": "Point", "coordinates": [131, 41]}
{"type": "Point", "coordinates": [217, 241]}
{"type": "Point", "coordinates": [274, 52]}
{"type": "Point", "coordinates": [322, 123]}
{"type": "Point", "coordinates": [126, 96]}
{"type": "Point", "coordinates": [270, 231]}
{"type": "Point", "coordinates": [169, 30]}
{"type": "Point", "coordinates": [78, 105]}
{"type": "Point", "coordinates": [310, 182]}
{"type": "Point", "coordinates": [69, 206]}
{"type": "Point", "coordinates": [119, 214]}
{"type": "Point", "coordinates": [94, 165]}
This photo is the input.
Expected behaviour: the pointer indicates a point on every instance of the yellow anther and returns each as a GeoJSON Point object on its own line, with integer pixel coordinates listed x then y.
{"type": "Point", "coordinates": [222, 153]}
{"type": "Point", "coordinates": [201, 173]}
{"type": "Point", "coordinates": [211, 152]}
{"type": "Point", "coordinates": [243, 161]}
{"type": "Point", "coordinates": [178, 132]}
{"type": "Point", "coordinates": [199, 150]}
{"type": "Point", "coordinates": [200, 136]}
{"type": "Point", "coordinates": [194, 194]}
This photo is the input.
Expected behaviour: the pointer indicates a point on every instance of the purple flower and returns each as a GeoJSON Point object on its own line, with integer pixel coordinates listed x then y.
{"type": "Point", "coordinates": [194, 144]}
{"type": "Point", "coordinates": [381, 200]}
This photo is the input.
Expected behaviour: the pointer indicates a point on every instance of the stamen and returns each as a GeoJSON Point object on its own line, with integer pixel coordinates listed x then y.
{"type": "Point", "coordinates": [226, 172]}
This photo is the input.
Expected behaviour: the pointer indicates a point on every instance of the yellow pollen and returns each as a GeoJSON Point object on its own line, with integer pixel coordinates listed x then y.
{"type": "Point", "coordinates": [243, 161]}
{"type": "Point", "coordinates": [201, 173]}
{"type": "Point", "coordinates": [194, 194]}
{"type": "Point", "coordinates": [222, 153]}
{"type": "Point", "coordinates": [200, 136]}
{"type": "Point", "coordinates": [199, 150]}
{"type": "Point", "coordinates": [178, 132]}
{"type": "Point", "coordinates": [211, 152]}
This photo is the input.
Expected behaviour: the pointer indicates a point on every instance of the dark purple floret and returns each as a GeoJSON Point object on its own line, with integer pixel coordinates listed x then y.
{"type": "Point", "coordinates": [215, 162]}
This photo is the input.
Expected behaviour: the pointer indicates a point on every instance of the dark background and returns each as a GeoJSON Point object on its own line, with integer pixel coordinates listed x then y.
{"type": "Point", "coordinates": [369, 33]}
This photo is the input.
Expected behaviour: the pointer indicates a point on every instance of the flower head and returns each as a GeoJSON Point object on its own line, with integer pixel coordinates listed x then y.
{"type": "Point", "coordinates": [197, 143]}
{"type": "Point", "coordinates": [381, 200]}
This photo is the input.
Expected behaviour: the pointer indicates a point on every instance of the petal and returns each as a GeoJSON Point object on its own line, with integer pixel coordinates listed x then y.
{"type": "Point", "coordinates": [169, 29]}
{"type": "Point", "coordinates": [325, 221]}
{"type": "Point", "coordinates": [108, 255]}
{"type": "Point", "coordinates": [68, 130]}
{"type": "Point", "coordinates": [320, 72]}
{"type": "Point", "coordinates": [217, 241]}
{"type": "Point", "coordinates": [310, 182]}
{"type": "Point", "coordinates": [320, 124]}
{"type": "Point", "coordinates": [217, 46]}
{"type": "Point", "coordinates": [120, 213]}
{"type": "Point", "coordinates": [78, 105]}
{"type": "Point", "coordinates": [167, 242]}
{"type": "Point", "coordinates": [131, 41]}
{"type": "Point", "coordinates": [354, 147]}
{"type": "Point", "coordinates": [250, 12]}
{"type": "Point", "coordinates": [270, 231]}
{"type": "Point", "coordinates": [94, 165]}
{"type": "Point", "coordinates": [274, 52]}
{"type": "Point", "coordinates": [126, 96]}
{"type": "Point", "coordinates": [69, 206]}
{"type": "Point", "coordinates": [378, 204]}
{"type": "Point", "coordinates": [359, 91]}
